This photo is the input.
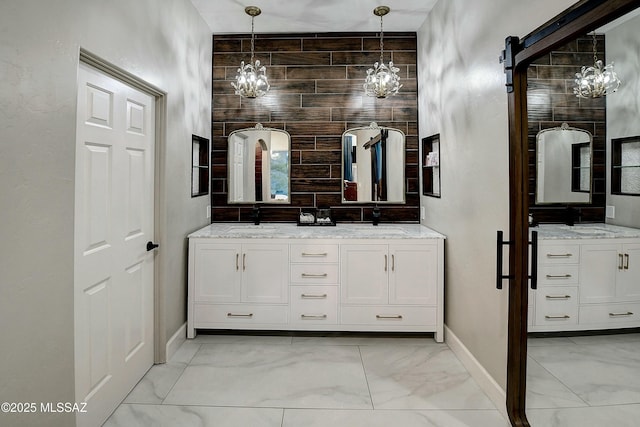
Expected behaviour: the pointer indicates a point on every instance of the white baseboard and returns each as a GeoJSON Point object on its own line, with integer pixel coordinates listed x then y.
{"type": "Point", "coordinates": [486, 382]}
{"type": "Point", "coordinates": [176, 340]}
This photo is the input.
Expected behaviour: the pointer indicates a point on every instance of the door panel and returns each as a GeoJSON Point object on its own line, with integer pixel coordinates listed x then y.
{"type": "Point", "coordinates": [598, 273]}
{"type": "Point", "coordinates": [364, 274]}
{"type": "Point", "coordinates": [265, 273]}
{"type": "Point", "coordinates": [628, 286]}
{"type": "Point", "coordinates": [414, 274]}
{"type": "Point", "coordinates": [113, 221]}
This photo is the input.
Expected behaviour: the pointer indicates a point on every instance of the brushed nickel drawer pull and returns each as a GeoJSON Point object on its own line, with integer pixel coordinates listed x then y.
{"type": "Point", "coordinates": [393, 262]}
{"type": "Point", "coordinates": [385, 263]}
{"type": "Point", "coordinates": [388, 316]}
{"type": "Point", "coordinates": [559, 255]}
{"type": "Point", "coordinates": [566, 316]}
{"type": "Point", "coordinates": [628, 313]}
{"type": "Point", "coordinates": [620, 261]}
{"type": "Point", "coordinates": [244, 262]}
{"type": "Point", "coordinates": [310, 254]}
{"type": "Point", "coordinates": [558, 296]}
{"type": "Point", "coordinates": [237, 263]}
{"type": "Point", "coordinates": [558, 276]}
{"type": "Point", "coordinates": [313, 296]}
{"type": "Point", "coordinates": [313, 275]}
{"type": "Point", "coordinates": [626, 261]}
{"type": "Point", "coordinates": [239, 315]}
{"type": "Point", "coordinates": [313, 316]}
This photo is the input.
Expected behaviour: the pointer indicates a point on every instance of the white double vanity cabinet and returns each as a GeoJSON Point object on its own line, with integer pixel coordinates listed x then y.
{"type": "Point", "coordinates": [588, 278]}
{"type": "Point", "coordinates": [348, 277]}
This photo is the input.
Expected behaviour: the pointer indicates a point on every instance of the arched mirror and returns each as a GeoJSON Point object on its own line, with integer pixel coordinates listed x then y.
{"type": "Point", "coordinates": [373, 165]}
{"type": "Point", "coordinates": [563, 165]}
{"type": "Point", "coordinates": [259, 165]}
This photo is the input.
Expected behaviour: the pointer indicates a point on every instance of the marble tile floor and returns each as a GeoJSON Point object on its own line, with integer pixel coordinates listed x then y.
{"type": "Point", "coordinates": [587, 381]}
{"type": "Point", "coordinates": [284, 381]}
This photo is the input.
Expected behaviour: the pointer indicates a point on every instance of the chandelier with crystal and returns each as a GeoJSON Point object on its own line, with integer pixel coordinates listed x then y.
{"type": "Point", "coordinates": [596, 81]}
{"type": "Point", "coordinates": [251, 81]}
{"type": "Point", "coordinates": [382, 81]}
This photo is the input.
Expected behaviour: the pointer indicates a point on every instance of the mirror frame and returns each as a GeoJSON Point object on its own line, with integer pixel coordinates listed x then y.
{"type": "Point", "coordinates": [583, 17]}
{"type": "Point", "coordinates": [258, 127]}
{"type": "Point", "coordinates": [372, 127]}
{"type": "Point", "coordinates": [589, 143]}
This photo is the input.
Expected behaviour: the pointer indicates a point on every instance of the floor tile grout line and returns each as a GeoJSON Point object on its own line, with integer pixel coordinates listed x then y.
{"type": "Point", "coordinates": [560, 381]}
{"type": "Point", "coordinates": [366, 378]}
{"type": "Point", "coordinates": [186, 365]}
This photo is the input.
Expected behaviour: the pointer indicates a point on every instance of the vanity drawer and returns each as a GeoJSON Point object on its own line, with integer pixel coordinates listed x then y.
{"type": "Point", "coordinates": [314, 273]}
{"type": "Point", "coordinates": [314, 305]}
{"type": "Point", "coordinates": [560, 274]}
{"type": "Point", "coordinates": [314, 253]}
{"type": "Point", "coordinates": [240, 314]}
{"type": "Point", "coordinates": [556, 305]}
{"type": "Point", "coordinates": [611, 313]}
{"type": "Point", "coordinates": [388, 315]}
{"type": "Point", "coordinates": [558, 254]}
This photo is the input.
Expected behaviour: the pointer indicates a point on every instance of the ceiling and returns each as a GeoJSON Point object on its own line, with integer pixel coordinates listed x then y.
{"type": "Point", "coordinates": [306, 16]}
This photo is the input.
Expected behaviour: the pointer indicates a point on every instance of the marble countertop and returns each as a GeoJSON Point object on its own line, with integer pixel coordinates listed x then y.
{"type": "Point", "coordinates": [293, 231]}
{"type": "Point", "coordinates": [585, 231]}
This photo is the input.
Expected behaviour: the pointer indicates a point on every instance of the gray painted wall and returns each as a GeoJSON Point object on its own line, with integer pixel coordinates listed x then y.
{"type": "Point", "coordinates": [623, 110]}
{"type": "Point", "coordinates": [466, 102]}
{"type": "Point", "coordinates": [165, 43]}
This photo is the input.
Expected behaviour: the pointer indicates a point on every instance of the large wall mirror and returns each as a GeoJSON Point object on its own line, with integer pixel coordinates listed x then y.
{"type": "Point", "coordinates": [563, 165]}
{"type": "Point", "coordinates": [373, 165]}
{"type": "Point", "coordinates": [259, 165]}
{"type": "Point", "coordinates": [571, 378]}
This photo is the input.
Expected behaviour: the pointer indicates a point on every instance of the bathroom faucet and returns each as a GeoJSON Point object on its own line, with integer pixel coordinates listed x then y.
{"type": "Point", "coordinates": [376, 215]}
{"type": "Point", "coordinates": [571, 215]}
{"type": "Point", "coordinates": [255, 214]}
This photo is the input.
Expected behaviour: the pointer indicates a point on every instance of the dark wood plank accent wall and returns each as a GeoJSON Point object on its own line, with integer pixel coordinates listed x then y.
{"type": "Point", "coordinates": [316, 94]}
{"type": "Point", "coordinates": [551, 102]}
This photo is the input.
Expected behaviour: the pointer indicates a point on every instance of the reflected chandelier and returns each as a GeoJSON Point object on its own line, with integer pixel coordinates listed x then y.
{"type": "Point", "coordinates": [596, 81]}
{"type": "Point", "coordinates": [251, 81]}
{"type": "Point", "coordinates": [382, 81]}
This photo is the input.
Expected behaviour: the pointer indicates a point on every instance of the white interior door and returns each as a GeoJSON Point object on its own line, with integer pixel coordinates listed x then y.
{"type": "Point", "coordinates": [113, 285]}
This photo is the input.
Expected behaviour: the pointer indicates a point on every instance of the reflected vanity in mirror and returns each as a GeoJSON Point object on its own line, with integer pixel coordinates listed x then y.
{"type": "Point", "coordinates": [373, 165]}
{"type": "Point", "coordinates": [259, 165]}
{"type": "Point", "coordinates": [563, 165]}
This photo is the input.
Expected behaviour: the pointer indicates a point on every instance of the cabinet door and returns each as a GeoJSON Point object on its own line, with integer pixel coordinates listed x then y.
{"type": "Point", "coordinates": [629, 276]}
{"type": "Point", "coordinates": [364, 273]}
{"type": "Point", "coordinates": [598, 273]}
{"type": "Point", "coordinates": [414, 274]}
{"type": "Point", "coordinates": [265, 273]}
{"type": "Point", "coordinates": [217, 272]}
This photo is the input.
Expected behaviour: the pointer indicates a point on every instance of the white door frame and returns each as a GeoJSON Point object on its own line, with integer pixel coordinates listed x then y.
{"type": "Point", "coordinates": [159, 330]}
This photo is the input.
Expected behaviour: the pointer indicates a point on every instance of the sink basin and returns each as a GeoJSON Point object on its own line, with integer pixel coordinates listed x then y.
{"type": "Point", "coordinates": [589, 231]}
{"type": "Point", "coordinates": [253, 229]}
{"type": "Point", "coordinates": [376, 231]}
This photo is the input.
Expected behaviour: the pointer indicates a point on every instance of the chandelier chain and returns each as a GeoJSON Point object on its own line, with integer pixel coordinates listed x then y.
{"type": "Point", "coordinates": [381, 41]}
{"type": "Point", "coordinates": [252, 39]}
{"type": "Point", "coordinates": [595, 56]}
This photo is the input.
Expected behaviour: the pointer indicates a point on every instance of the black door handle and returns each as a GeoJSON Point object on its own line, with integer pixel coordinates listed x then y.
{"type": "Point", "coordinates": [534, 260]}
{"type": "Point", "coordinates": [151, 246]}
